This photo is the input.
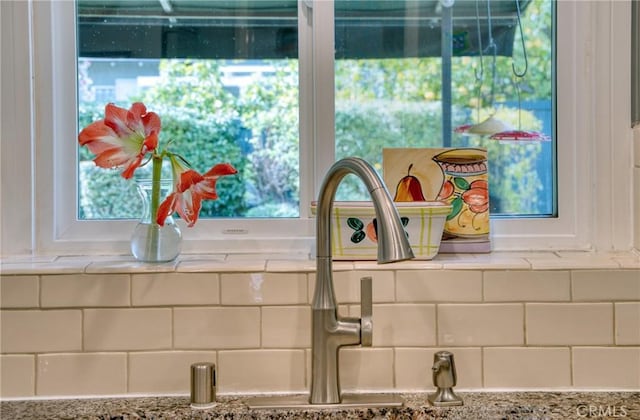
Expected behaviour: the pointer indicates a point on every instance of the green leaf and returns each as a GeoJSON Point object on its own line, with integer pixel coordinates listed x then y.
{"type": "Point", "coordinates": [457, 206]}
{"type": "Point", "coordinates": [461, 183]}
{"type": "Point", "coordinates": [355, 223]}
{"type": "Point", "coordinates": [358, 236]}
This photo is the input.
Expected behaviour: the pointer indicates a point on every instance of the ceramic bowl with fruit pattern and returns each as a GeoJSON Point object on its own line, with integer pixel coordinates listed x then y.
{"type": "Point", "coordinates": [354, 228]}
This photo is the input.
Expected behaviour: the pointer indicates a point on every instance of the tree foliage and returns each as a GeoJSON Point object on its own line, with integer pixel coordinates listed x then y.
{"type": "Point", "coordinates": [379, 103]}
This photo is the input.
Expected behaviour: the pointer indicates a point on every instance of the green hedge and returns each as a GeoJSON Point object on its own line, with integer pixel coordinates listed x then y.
{"type": "Point", "coordinates": [258, 133]}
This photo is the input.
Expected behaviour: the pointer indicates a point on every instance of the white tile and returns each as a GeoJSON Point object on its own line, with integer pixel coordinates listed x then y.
{"type": "Point", "coordinates": [184, 256]}
{"type": "Point", "coordinates": [175, 289]}
{"type": "Point", "coordinates": [369, 265]}
{"type": "Point", "coordinates": [620, 370]}
{"type": "Point", "coordinates": [542, 367]}
{"type": "Point", "coordinates": [575, 261]}
{"type": "Point", "coordinates": [216, 328]}
{"type": "Point", "coordinates": [83, 290]}
{"type": "Point", "coordinates": [586, 255]}
{"type": "Point", "coordinates": [627, 316]}
{"type": "Point", "coordinates": [404, 325]}
{"type": "Point", "coordinates": [37, 267]}
{"type": "Point", "coordinates": [527, 286]}
{"type": "Point", "coordinates": [346, 311]}
{"type": "Point", "coordinates": [14, 259]}
{"type": "Point", "coordinates": [569, 323]}
{"type": "Point", "coordinates": [261, 371]}
{"type": "Point", "coordinates": [629, 260]}
{"type": "Point", "coordinates": [446, 257]}
{"type": "Point", "coordinates": [480, 324]}
{"type": "Point", "coordinates": [434, 264]}
{"type": "Point", "coordinates": [489, 262]}
{"type": "Point", "coordinates": [286, 327]}
{"type": "Point", "coordinates": [268, 256]}
{"type": "Point", "coordinates": [347, 285]}
{"type": "Point", "coordinates": [355, 265]}
{"type": "Point", "coordinates": [366, 369]}
{"type": "Point", "coordinates": [18, 378]}
{"type": "Point", "coordinates": [129, 265]}
{"type": "Point", "coordinates": [528, 255]}
{"type": "Point", "coordinates": [19, 292]}
{"type": "Point", "coordinates": [413, 368]}
{"type": "Point", "coordinates": [311, 286]}
{"type": "Point", "coordinates": [438, 286]}
{"type": "Point", "coordinates": [299, 265]}
{"type": "Point", "coordinates": [263, 288]}
{"type": "Point", "coordinates": [88, 259]}
{"type": "Point", "coordinates": [81, 374]}
{"type": "Point", "coordinates": [127, 329]}
{"type": "Point", "coordinates": [217, 266]}
{"type": "Point", "coordinates": [32, 331]}
{"type": "Point", "coordinates": [604, 285]}
{"type": "Point", "coordinates": [164, 372]}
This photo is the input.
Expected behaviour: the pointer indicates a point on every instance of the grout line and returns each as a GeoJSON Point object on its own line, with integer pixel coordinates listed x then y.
{"type": "Point", "coordinates": [39, 291]}
{"type": "Point", "coordinates": [571, 367]}
{"type": "Point", "coordinates": [36, 377]}
{"type": "Point", "coordinates": [482, 280]}
{"type": "Point", "coordinates": [436, 329]}
{"type": "Point", "coordinates": [524, 324]}
{"type": "Point", "coordinates": [173, 328]}
{"type": "Point", "coordinates": [613, 327]}
{"type": "Point", "coordinates": [394, 383]}
{"type": "Point", "coordinates": [130, 290]}
{"type": "Point", "coordinates": [571, 281]}
{"type": "Point", "coordinates": [482, 378]}
{"type": "Point", "coordinates": [127, 372]}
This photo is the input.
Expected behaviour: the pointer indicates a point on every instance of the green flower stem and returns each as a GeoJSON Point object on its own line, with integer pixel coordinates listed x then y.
{"type": "Point", "coordinates": [155, 187]}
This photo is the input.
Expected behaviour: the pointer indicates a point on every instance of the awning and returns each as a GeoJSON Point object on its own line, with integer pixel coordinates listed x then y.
{"type": "Point", "coordinates": [220, 29]}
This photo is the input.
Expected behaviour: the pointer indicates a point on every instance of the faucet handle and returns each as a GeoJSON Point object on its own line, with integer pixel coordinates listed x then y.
{"type": "Point", "coordinates": [366, 312]}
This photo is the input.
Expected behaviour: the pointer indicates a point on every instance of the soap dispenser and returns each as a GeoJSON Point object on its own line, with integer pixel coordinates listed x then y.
{"type": "Point", "coordinates": [444, 378]}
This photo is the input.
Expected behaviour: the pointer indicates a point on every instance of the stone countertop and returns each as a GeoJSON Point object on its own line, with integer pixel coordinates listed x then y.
{"type": "Point", "coordinates": [477, 406]}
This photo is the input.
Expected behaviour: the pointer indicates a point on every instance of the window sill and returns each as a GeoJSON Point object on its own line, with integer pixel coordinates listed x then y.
{"type": "Point", "coordinates": [302, 263]}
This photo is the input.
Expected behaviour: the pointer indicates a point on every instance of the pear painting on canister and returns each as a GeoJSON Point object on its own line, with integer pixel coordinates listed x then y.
{"type": "Point", "coordinates": [456, 176]}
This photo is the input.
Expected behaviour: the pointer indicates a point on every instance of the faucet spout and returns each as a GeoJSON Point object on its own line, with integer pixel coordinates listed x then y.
{"type": "Point", "coordinates": [440, 364]}
{"type": "Point", "coordinates": [329, 331]}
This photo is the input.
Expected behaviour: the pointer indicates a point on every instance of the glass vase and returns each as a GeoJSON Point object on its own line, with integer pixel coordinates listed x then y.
{"type": "Point", "coordinates": [151, 242]}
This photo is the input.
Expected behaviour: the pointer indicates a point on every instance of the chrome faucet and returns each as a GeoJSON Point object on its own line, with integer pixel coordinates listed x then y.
{"type": "Point", "coordinates": [329, 331]}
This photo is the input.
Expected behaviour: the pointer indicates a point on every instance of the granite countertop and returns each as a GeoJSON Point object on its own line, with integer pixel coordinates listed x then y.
{"type": "Point", "coordinates": [477, 406]}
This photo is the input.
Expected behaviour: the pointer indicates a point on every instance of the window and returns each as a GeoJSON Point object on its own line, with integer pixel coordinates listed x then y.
{"type": "Point", "coordinates": [52, 125]}
{"type": "Point", "coordinates": [224, 76]}
{"type": "Point", "coordinates": [399, 83]}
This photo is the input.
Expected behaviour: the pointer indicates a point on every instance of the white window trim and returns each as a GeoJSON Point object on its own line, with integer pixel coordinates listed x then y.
{"type": "Point", "coordinates": [38, 103]}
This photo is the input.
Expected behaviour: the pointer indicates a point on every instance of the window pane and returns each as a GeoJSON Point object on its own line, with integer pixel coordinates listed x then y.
{"type": "Point", "coordinates": [222, 75]}
{"type": "Point", "coordinates": [389, 76]}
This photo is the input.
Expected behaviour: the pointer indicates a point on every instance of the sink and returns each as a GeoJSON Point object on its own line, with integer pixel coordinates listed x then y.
{"type": "Point", "coordinates": [348, 401]}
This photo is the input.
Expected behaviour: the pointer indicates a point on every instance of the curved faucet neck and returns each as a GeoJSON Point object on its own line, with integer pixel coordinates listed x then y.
{"type": "Point", "coordinates": [329, 331]}
{"type": "Point", "coordinates": [392, 241]}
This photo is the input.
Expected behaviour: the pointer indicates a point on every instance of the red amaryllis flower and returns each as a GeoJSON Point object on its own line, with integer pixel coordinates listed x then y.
{"type": "Point", "coordinates": [122, 138]}
{"type": "Point", "coordinates": [190, 189]}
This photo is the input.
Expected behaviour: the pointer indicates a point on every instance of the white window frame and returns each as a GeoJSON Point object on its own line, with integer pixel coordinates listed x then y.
{"type": "Point", "coordinates": [39, 140]}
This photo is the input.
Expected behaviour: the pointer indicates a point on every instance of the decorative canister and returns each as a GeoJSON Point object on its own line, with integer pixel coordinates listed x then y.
{"type": "Point", "coordinates": [466, 189]}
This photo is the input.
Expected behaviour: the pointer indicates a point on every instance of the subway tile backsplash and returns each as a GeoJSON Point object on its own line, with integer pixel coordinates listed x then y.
{"type": "Point", "coordinates": [109, 329]}
{"type": "Point", "coordinates": [531, 367]}
{"type": "Point", "coordinates": [516, 321]}
{"type": "Point", "coordinates": [81, 373]}
{"type": "Point", "coordinates": [554, 324]}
